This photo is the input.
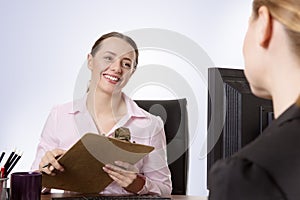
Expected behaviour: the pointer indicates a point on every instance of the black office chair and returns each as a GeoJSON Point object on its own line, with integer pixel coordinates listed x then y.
{"type": "Point", "coordinates": [174, 115]}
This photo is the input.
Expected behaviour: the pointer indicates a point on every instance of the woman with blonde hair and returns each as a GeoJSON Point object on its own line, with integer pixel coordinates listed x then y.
{"type": "Point", "coordinates": [269, 167]}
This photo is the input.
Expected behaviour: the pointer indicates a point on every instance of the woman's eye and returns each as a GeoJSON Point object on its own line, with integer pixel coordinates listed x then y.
{"type": "Point", "coordinates": [126, 65]}
{"type": "Point", "coordinates": [108, 58]}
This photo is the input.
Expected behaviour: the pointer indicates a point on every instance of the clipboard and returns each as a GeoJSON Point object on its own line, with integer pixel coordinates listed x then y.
{"type": "Point", "coordinates": [83, 163]}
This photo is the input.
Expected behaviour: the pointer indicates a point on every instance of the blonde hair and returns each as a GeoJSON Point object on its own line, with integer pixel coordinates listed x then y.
{"type": "Point", "coordinates": [287, 12]}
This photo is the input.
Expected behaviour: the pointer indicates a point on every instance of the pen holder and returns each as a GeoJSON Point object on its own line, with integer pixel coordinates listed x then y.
{"type": "Point", "coordinates": [25, 186]}
{"type": "Point", "coordinates": [4, 191]}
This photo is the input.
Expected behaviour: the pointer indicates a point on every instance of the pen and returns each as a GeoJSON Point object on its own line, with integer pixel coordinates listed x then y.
{"type": "Point", "coordinates": [48, 164]}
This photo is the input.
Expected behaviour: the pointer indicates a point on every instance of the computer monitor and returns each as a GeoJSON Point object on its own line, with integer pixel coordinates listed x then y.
{"type": "Point", "coordinates": [235, 116]}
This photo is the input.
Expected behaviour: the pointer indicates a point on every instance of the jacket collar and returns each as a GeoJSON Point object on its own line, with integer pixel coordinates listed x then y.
{"type": "Point", "coordinates": [291, 113]}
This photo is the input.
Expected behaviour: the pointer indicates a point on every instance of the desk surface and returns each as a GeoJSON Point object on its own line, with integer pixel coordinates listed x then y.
{"type": "Point", "coordinates": [175, 197]}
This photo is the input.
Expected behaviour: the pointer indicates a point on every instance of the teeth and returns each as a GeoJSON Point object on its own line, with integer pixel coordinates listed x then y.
{"type": "Point", "coordinates": [111, 77]}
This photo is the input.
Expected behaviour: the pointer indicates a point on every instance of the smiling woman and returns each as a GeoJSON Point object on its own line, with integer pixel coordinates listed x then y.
{"type": "Point", "coordinates": [105, 108]}
{"type": "Point", "coordinates": [112, 65]}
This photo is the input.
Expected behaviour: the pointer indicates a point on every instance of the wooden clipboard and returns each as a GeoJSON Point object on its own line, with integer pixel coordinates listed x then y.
{"type": "Point", "coordinates": [83, 163]}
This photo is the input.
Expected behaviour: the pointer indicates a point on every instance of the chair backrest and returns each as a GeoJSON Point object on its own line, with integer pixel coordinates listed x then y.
{"type": "Point", "coordinates": [174, 115]}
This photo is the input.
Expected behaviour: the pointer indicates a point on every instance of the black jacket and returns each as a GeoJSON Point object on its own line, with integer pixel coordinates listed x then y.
{"type": "Point", "coordinates": [267, 168]}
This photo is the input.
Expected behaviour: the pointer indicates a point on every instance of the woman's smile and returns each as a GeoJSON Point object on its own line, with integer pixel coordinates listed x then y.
{"type": "Point", "coordinates": [111, 78]}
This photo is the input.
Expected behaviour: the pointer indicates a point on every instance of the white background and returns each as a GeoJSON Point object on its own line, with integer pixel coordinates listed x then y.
{"type": "Point", "coordinates": [44, 45]}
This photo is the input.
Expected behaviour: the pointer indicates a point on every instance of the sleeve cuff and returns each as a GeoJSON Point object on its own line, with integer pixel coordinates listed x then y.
{"type": "Point", "coordinates": [138, 185]}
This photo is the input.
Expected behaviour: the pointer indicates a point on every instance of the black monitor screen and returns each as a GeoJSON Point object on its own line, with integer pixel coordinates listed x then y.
{"type": "Point", "coordinates": [235, 116]}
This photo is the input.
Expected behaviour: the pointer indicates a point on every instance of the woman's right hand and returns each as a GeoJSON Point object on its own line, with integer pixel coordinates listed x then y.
{"type": "Point", "coordinates": [49, 162]}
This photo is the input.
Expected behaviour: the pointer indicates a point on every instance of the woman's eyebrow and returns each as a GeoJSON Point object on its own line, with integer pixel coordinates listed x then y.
{"type": "Point", "coordinates": [126, 58]}
{"type": "Point", "coordinates": [110, 52]}
{"type": "Point", "coordinates": [114, 54]}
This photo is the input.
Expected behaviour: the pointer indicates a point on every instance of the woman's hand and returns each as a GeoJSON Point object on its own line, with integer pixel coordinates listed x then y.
{"type": "Point", "coordinates": [49, 163]}
{"type": "Point", "coordinates": [126, 175]}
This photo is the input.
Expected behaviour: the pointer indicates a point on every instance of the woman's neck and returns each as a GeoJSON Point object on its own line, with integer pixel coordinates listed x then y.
{"type": "Point", "coordinates": [283, 100]}
{"type": "Point", "coordinates": [286, 89]}
{"type": "Point", "coordinates": [103, 104]}
{"type": "Point", "coordinates": [106, 110]}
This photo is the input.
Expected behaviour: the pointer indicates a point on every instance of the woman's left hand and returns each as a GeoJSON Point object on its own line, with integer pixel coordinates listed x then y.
{"type": "Point", "coordinates": [122, 172]}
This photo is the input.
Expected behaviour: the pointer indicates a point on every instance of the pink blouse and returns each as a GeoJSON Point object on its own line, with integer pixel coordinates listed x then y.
{"type": "Point", "coordinates": [67, 123]}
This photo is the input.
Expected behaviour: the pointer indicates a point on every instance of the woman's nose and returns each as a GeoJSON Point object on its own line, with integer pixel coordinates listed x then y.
{"type": "Point", "coordinates": [116, 66]}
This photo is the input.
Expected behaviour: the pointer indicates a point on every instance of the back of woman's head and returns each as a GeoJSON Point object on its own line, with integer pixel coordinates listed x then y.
{"type": "Point", "coordinates": [287, 12]}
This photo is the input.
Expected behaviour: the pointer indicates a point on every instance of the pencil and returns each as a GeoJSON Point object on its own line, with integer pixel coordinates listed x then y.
{"type": "Point", "coordinates": [9, 158]}
{"type": "Point", "coordinates": [13, 165]}
{"type": "Point", "coordinates": [2, 155]}
{"type": "Point", "coordinates": [2, 172]}
{"type": "Point", "coordinates": [12, 159]}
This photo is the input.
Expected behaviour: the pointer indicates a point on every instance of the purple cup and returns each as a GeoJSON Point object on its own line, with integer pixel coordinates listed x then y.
{"type": "Point", "coordinates": [25, 186]}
